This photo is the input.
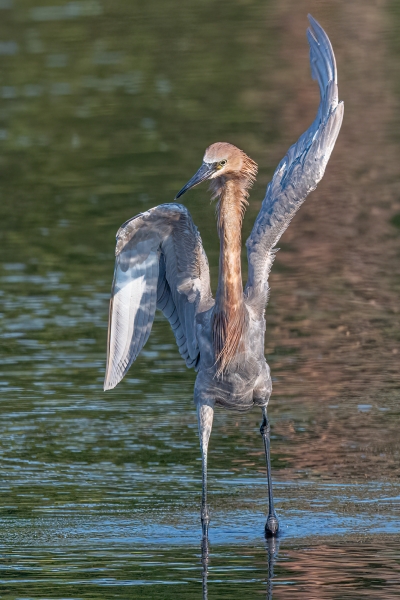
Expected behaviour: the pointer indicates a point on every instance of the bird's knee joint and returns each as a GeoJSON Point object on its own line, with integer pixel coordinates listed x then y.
{"type": "Point", "coordinates": [205, 517]}
{"type": "Point", "coordinates": [265, 428]}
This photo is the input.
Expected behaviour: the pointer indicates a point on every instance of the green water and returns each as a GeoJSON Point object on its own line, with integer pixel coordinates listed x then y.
{"type": "Point", "coordinates": [105, 110]}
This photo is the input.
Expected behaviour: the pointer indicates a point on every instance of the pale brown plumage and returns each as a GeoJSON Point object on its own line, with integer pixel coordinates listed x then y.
{"type": "Point", "coordinates": [230, 184]}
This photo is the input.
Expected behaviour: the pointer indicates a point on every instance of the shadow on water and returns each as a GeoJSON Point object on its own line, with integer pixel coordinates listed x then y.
{"type": "Point", "coordinates": [105, 111]}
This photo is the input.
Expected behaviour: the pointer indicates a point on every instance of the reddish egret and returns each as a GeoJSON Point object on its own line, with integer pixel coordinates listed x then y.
{"type": "Point", "coordinates": [161, 263]}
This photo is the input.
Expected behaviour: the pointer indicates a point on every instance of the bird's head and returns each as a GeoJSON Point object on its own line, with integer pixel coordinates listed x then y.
{"type": "Point", "coordinates": [221, 162]}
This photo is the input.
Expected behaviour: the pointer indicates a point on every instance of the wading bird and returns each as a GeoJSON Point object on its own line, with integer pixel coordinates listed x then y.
{"type": "Point", "coordinates": [161, 263]}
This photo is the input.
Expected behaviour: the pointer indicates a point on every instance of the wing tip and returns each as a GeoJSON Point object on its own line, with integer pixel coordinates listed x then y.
{"type": "Point", "coordinates": [311, 19]}
{"type": "Point", "coordinates": [109, 385]}
{"type": "Point", "coordinates": [320, 37]}
{"type": "Point", "coordinates": [310, 29]}
{"type": "Point", "coordinates": [316, 27]}
{"type": "Point", "coordinates": [111, 380]}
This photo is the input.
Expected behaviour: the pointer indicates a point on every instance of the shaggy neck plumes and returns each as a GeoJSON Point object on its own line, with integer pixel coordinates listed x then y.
{"type": "Point", "coordinates": [230, 313]}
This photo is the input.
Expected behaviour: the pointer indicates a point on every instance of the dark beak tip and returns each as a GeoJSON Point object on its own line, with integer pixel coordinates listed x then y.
{"type": "Point", "coordinates": [202, 174]}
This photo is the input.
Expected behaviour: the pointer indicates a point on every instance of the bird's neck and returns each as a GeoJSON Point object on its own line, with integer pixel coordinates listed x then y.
{"type": "Point", "coordinates": [229, 312]}
{"type": "Point", "coordinates": [230, 213]}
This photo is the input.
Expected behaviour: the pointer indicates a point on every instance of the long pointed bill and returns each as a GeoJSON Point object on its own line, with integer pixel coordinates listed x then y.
{"type": "Point", "coordinates": [205, 172]}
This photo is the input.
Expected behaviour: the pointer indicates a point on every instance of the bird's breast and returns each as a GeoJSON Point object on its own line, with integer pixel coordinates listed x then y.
{"type": "Point", "coordinates": [234, 389]}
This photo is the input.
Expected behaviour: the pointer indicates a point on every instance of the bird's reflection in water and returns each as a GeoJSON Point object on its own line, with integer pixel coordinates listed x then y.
{"type": "Point", "coordinates": [272, 547]}
{"type": "Point", "coordinates": [204, 561]}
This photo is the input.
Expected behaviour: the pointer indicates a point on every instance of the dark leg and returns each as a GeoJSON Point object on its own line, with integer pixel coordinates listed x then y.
{"type": "Point", "coordinates": [272, 524]}
{"type": "Point", "coordinates": [205, 414]}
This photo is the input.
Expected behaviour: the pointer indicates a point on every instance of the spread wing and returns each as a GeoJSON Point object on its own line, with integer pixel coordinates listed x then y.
{"type": "Point", "coordinates": [299, 171]}
{"type": "Point", "coordinates": [160, 263]}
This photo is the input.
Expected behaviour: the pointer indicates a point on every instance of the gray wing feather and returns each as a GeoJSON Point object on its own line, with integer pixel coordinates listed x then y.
{"type": "Point", "coordinates": [299, 171]}
{"type": "Point", "coordinates": [160, 263]}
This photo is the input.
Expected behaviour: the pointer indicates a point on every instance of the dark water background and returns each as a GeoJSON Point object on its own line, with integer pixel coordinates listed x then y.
{"type": "Point", "coordinates": [106, 108]}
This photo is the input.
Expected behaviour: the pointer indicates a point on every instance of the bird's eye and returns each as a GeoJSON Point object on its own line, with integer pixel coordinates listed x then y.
{"type": "Point", "coordinates": [222, 163]}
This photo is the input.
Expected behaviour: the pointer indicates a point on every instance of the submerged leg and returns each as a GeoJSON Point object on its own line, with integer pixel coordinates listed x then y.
{"type": "Point", "coordinates": [204, 562]}
{"type": "Point", "coordinates": [205, 414]}
{"type": "Point", "coordinates": [272, 524]}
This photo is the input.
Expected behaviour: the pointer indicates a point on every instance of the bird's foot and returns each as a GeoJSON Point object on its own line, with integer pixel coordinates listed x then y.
{"type": "Point", "coordinates": [272, 526]}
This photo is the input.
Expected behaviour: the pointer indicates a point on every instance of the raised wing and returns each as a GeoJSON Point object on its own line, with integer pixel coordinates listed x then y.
{"type": "Point", "coordinates": [160, 263]}
{"type": "Point", "coordinates": [299, 172]}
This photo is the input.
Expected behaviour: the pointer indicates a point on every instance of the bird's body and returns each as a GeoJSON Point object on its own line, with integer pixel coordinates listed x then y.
{"type": "Point", "coordinates": [247, 381]}
{"type": "Point", "coordinates": [161, 263]}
